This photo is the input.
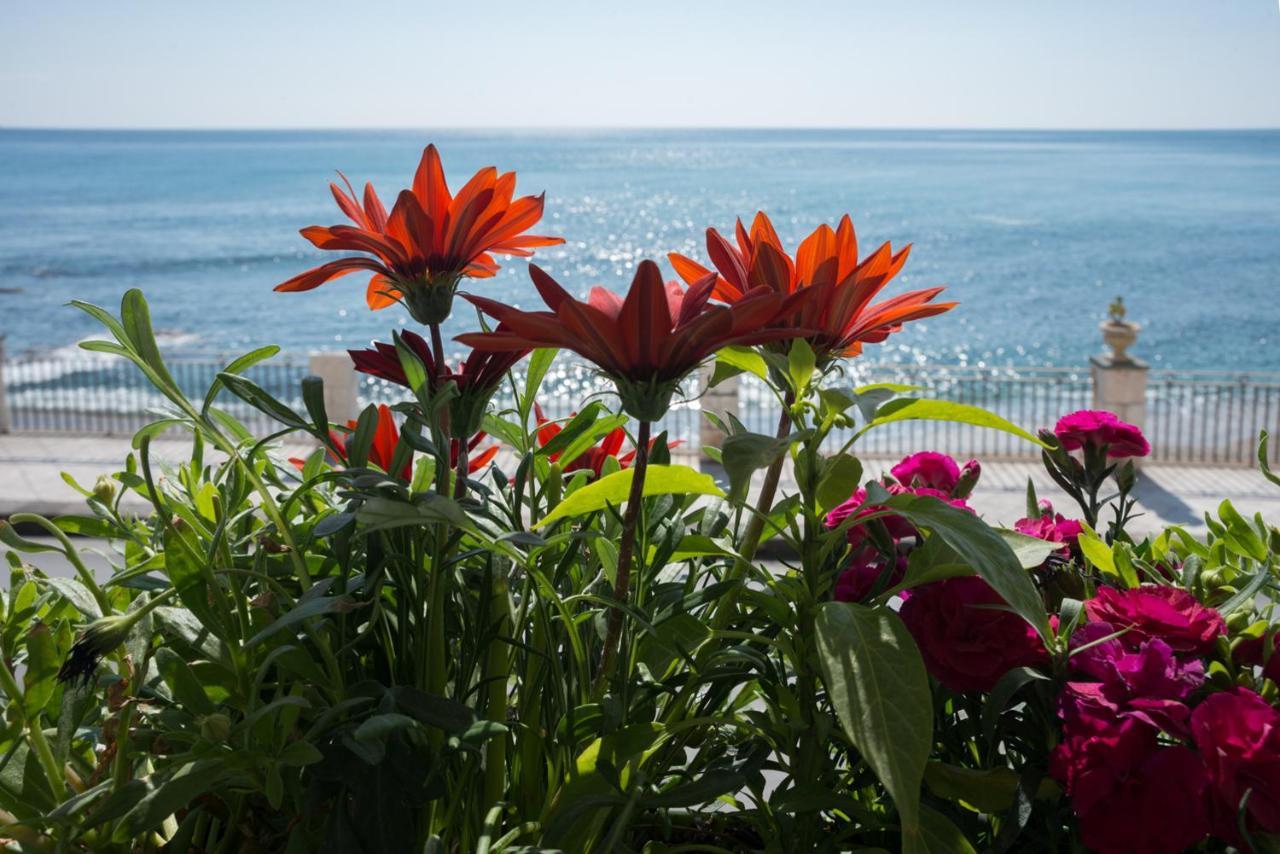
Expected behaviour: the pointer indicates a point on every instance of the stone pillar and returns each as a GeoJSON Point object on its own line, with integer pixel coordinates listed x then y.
{"type": "Point", "coordinates": [1120, 380]}
{"type": "Point", "coordinates": [720, 400]}
{"type": "Point", "coordinates": [5, 424]}
{"type": "Point", "coordinates": [341, 385]}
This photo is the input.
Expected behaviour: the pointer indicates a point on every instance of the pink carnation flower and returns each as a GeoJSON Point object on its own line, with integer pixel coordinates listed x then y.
{"type": "Point", "coordinates": [1130, 795]}
{"type": "Point", "coordinates": [1102, 429]}
{"type": "Point", "coordinates": [966, 644]}
{"type": "Point", "coordinates": [899, 528]}
{"type": "Point", "coordinates": [929, 469]}
{"type": "Point", "coordinates": [1170, 614]}
{"type": "Point", "coordinates": [1238, 734]}
{"type": "Point", "coordinates": [1051, 527]}
{"type": "Point", "coordinates": [860, 577]}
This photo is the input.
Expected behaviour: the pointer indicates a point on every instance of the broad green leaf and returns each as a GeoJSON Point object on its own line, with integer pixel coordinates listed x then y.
{"type": "Point", "coordinates": [540, 361]}
{"type": "Point", "coordinates": [1031, 552]}
{"type": "Point", "coordinates": [877, 684]}
{"type": "Point", "coordinates": [252, 394]}
{"type": "Point", "coordinates": [940, 836]}
{"type": "Point", "coordinates": [839, 480]}
{"type": "Point", "coordinates": [743, 454]}
{"type": "Point", "coordinates": [744, 359]}
{"type": "Point", "coordinates": [426, 509]}
{"type": "Point", "coordinates": [1098, 553]}
{"type": "Point", "coordinates": [303, 611]}
{"type": "Point", "coordinates": [919, 409]}
{"type": "Point", "coordinates": [614, 489]}
{"type": "Point", "coordinates": [164, 797]}
{"type": "Point", "coordinates": [135, 317]}
{"type": "Point", "coordinates": [1263, 465]}
{"type": "Point", "coordinates": [980, 547]}
{"type": "Point", "coordinates": [184, 684]}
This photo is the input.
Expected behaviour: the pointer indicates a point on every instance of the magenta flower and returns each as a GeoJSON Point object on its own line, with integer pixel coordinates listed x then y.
{"type": "Point", "coordinates": [1163, 613]}
{"type": "Point", "coordinates": [1101, 429]}
{"type": "Point", "coordinates": [1130, 795]}
{"type": "Point", "coordinates": [966, 644]}
{"type": "Point", "coordinates": [1149, 684]}
{"type": "Point", "coordinates": [928, 469]}
{"type": "Point", "coordinates": [1238, 734]}
{"type": "Point", "coordinates": [1051, 527]}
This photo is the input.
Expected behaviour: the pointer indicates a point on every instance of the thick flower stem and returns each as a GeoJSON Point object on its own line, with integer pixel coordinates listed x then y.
{"type": "Point", "coordinates": [622, 585]}
{"type": "Point", "coordinates": [437, 348]}
{"type": "Point", "coordinates": [497, 671]}
{"type": "Point", "coordinates": [755, 526]}
{"type": "Point", "coordinates": [460, 476]}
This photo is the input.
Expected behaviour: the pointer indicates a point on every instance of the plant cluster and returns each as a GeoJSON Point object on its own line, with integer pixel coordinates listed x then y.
{"type": "Point", "coordinates": [459, 625]}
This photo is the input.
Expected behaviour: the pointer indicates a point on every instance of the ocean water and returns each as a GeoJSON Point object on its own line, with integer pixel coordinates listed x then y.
{"type": "Point", "coordinates": [1033, 232]}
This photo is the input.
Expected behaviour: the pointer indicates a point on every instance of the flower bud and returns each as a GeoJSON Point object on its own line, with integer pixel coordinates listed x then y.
{"type": "Point", "coordinates": [215, 727]}
{"type": "Point", "coordinates": [969, 475]}
{"type": "Point", "coordinates": [1126, 476]}
{"type": "Point", "coordinates": [104, 489]}
{"type": "Point", "coordinates": [1239, 621]}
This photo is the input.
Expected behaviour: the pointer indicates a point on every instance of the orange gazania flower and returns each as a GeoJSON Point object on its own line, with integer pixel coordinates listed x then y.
{"type": "Point", "coordinates": [382, 451]}
{"type": "Point", "coordinates": [430, 239]}
{"type": "Point", "coordinates": [825, 264]}
{"type": "Point", "coordinates": [646, 342]}
{"type": "Point", "coordinates": [476, 462]}
{"type": "Point", "coordinates": [596, 456]}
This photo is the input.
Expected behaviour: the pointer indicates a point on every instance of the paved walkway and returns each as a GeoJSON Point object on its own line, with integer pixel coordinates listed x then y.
{"type": "Point", "coordinates": [31, 469]}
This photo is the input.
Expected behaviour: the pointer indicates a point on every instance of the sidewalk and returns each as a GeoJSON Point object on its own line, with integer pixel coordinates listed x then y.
{"type": "Point", "coordinates": [31, 481]}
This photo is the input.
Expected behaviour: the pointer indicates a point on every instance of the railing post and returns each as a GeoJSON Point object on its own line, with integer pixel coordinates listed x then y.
{"type": "Point", "coordinates": [5, 424]}
{"type": "Point", "coordinates": [1120, 380]}
{"type": "Point", "coordinates": [341, 385]}
{"type": "Point", "coordinates": [721, 399]}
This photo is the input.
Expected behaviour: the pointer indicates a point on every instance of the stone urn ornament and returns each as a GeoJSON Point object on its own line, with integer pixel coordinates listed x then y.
{"type": "Point", "coordinates": [1118, 333]}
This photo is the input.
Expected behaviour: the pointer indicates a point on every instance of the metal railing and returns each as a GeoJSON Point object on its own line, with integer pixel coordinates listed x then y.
{"type": "Point", "coordinates": [1191, 417]}
{"type": "Point", "coordinates": [1211, 417]}
{"type": "Point", "coordinates": [102, 394]}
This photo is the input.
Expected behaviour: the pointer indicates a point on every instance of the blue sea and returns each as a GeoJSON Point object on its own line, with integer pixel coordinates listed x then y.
{"type": "Point", "coordinates": [1033, 232]}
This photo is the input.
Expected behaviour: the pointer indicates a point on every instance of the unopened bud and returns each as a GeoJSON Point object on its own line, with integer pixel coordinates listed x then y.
{"type": "Point", "coordinates": [104, 489]}
{"type": "Point", "coordinates": [215, 727]}
{"type": "Point", "coordinates": [968, 479]}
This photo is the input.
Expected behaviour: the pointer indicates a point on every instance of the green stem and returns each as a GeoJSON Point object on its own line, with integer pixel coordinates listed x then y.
{"type": "Point", "coordinates": [82, 571]}
{"type": "Point", "coordinates": [44, 753]}
{"type": "Point", "coordinates": [622, 585]}
{"type": "Point", "coordinates": [497, 671]}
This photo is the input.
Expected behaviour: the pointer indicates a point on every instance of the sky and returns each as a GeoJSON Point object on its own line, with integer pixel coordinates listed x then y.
{"type": "Point", "coordinates": [658, 63]}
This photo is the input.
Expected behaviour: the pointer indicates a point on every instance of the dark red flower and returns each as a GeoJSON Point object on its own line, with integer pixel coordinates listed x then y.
{"type": "Point", "coordinates": [1238, 734]}
{"type": "Point", "coordinates": [430, 239]}
{"type": "Point", "coordinates": [595, 457]}
{"type": "Point", "coordinates": [966, 644]}
{"type": "Point", "coordinates": [382, 451]}
{"type": "Point", "coordinates": [477, 378]}
{"type": "Point", "coordinates": [1162, 613]}
{"type": "Point", "coordinates": [1130, 795]}
{"type": "Point", "coordinates": [840, 314]}
{"type": "Point", "coordinates": [1148, 684]}
{"type": "Point", "coordinates": [646, 342]}
{"type": "Point", "coordinates": [1101, 429]}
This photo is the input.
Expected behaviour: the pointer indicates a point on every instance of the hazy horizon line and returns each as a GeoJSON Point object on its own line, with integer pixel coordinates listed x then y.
{"type": "Point", "coordinates": [615, 128]}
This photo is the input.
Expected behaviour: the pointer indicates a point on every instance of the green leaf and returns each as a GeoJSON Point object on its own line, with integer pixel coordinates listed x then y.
{"type": "Point", "coordinates": [135, 317]}
{"type": "Point", "coordinates": [744, 359]}
{"type": "Point", "coordinates": [1001, 695]}
{"type": "Point", "coordinates": [614, 489]}
{"type": "Point", "coordinates": [877, 684]}
{"type": "Point", "coordinates": [743, 454]}
{"type": "Point", "coordinates": [1031, 552]}
{"type": "Point", "coordinates": [238, 366]}
{"type": "Point", "coordinates": [183, 682]}
{"type": "Point", "coordinates": [839, 480]}
{"type": "Point", "coordinates": [304, 611]}
{"type": "Point", "coordinates": [917, 409]}
{"type": "Point", "coordinates": [940, 836]}
{"type": "Point", "coordinates": [252, 394]}
{"type": "Point", "coordinates": [1098, 553]}
{"type": "Point", "coordinates": [1263, 465]}
{"type": "Point", "coordinates": [981, 548]}
{"type": "Point", "coordinates": [801, 363]}
{"type": "Point", "coordinates": [164, 797]}
{"type": "Point", "coordinates": [426, 509]}
{"type": "Point", "coordinates": [540, 361]}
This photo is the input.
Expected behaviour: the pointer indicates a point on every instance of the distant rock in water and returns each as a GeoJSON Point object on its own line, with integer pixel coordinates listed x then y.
{"type": "Point", "coordinates": [10, 290]}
